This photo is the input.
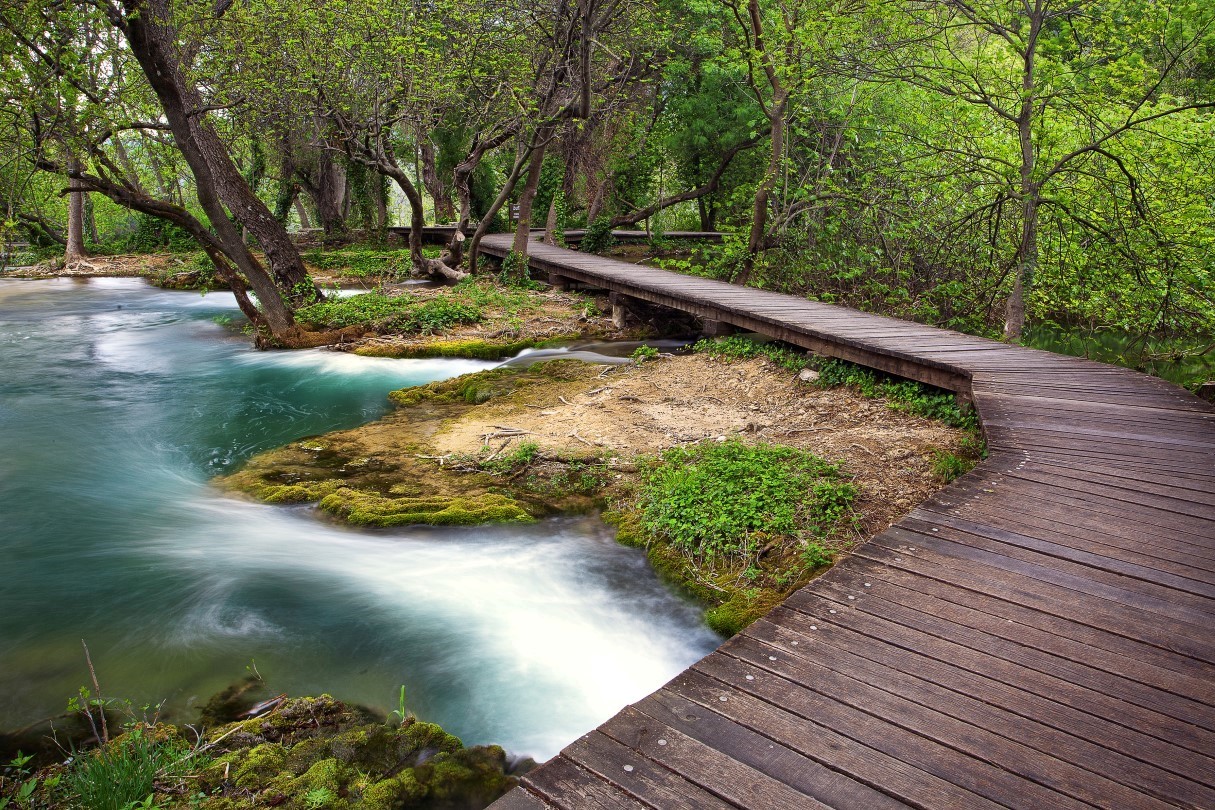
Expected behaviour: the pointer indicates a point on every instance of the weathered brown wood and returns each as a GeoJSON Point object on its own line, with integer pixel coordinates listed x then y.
{"type": "Point", "coordinates": [1037, 634]}
{"type": "Point", "coordinates": [570, 787]}
{"type": "Point", "coordinates": [835, 645]}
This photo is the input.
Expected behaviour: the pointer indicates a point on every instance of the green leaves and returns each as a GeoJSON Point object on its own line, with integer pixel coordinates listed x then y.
{"type": "Point", "coordinates": [720, 499]}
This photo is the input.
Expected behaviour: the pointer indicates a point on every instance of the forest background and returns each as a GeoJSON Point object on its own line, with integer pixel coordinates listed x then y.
{"type": "Point", "coordinates": [1040, 171]}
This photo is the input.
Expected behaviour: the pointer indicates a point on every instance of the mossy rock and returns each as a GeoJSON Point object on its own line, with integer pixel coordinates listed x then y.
{"type": "Point", "coordinates": [482, 386]}
{"type": "Point", "coordinates": [470, 777]}
{"type": "Point", "coordinates": [364, 508]}
{"type": "Point", "coordinates": [471, 349]}
{"type": "Point", "coordinates": [743, 607]}
{"type": "Point", "coordinates": [256, 766]}
{"type": "Point", "coordinates": [402, 790]}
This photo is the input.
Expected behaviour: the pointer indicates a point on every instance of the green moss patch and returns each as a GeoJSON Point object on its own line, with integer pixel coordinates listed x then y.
{"type": "Point", "coordinates": [318, 753]}
{"type": "Point", "coordinates": [470, 348]}
{"type": "Point", "coordinates": [369, 509]}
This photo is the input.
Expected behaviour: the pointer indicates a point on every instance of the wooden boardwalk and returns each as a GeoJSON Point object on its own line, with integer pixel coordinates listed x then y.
{"type": "Point", "coordinates": [1040, 634]}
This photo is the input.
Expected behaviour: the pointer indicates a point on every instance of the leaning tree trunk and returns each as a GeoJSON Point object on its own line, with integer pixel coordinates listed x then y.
{"type": "Point", "coordinates": [145, 24]}
{"type": "Point", "coordinates": [152, 44]}
{"type": "Point", "coordinates": [462, 181]}
{"type": "Point", "coordinates": [504, 193]}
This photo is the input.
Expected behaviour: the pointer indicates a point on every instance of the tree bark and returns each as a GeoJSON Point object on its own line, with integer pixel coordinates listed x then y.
{"type": "Point", "coordinates": [1027, 249]}
{"type": "Point", "coordinates": [445, 210]}
{"type": "Point", "coordinates": [146, 26]}
{"type": "Point", "coordinates": [301, 211]}
{"type": "Point", "coordinates": [504, 193]}
{"type": "Point", "coordinates": [152, 43]}
{"type": "Point", "coordinates": [326, 186]}
{"type": "Point", "coordinates": [550, 223]}
{"type": "Point", "coordinates": [74, 250]}
{"type": "Point", "coordinates": [528, 196]}
{"type": "Point", "coordinates": [775, 111]}
{"type": "Point", "coordinates": [759, 212]}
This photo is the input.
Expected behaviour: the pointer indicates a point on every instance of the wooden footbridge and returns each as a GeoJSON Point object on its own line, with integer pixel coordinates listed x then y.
{"type": "Point", "coordinates": [1040, 634]}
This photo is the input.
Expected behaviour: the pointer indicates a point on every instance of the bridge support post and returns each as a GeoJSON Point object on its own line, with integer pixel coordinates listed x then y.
{"type": "Point", "coordinates": [619, 312]}
{"type": "Point", "coordinates": [560, 282]}
{"type": "Point", "coordinates": [712, 329]}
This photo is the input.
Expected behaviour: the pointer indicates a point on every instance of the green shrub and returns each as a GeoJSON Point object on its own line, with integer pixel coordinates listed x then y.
{"type": "Point", "coordinates": [406, 313]}
{"type": "Point", "coordinates": [738, 347]}
{"type": "Point", "coordinates": [949, 466]}
{"type": "Point", "coordinates": [716, 499]}
{"type": "Point", "coordinates": [124, 772]}
{"type": "Point", "coordinates": [900, 395]}
{"type": "Point", "coordinates": [361, 262]}
{"type": "Point", "coordinates": [598, 236]}
{"type": "Point", "coordinates": [643, 353]}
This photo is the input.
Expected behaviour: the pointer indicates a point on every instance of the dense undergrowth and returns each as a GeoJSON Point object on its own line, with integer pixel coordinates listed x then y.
{"type": "Point", "coordinates": [740, 525]}
{"type": "Point", "coordinates": [470, 301]}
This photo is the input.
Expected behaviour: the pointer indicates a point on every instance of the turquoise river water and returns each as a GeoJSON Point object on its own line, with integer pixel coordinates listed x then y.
{"type": "Point", "coordinates": [119, 401]}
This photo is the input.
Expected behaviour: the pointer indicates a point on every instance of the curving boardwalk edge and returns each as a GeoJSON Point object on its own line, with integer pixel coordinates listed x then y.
{"type": "Point", "coordinates": [1039, 634]}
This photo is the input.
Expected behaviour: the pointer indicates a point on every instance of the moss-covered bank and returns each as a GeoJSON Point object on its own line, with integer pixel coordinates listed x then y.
{"type": "Point", "coordinates": [520, 444]}
{"type": "Point", "coordinates": [299, 754]}
{"type": "Point", "coordinates": [390, 474]}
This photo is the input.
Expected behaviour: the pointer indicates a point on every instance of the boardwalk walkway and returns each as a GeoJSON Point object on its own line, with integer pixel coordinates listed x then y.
{"type": "Point", "coordinates": [1040, 634]}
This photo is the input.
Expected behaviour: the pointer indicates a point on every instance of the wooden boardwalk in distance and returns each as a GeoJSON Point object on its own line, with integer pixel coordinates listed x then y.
{"type": "Point", "coordinates": [1040, 634]}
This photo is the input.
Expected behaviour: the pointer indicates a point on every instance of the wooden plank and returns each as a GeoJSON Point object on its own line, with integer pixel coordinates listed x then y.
{"type": "Point", "coordinates": [640, 777]}
{"type": "Point", "coordinates": [564, 784]}
{"type": "Point", "coordinates": [1148, 525]}
{"type": "Point", "coordinates": [724, 676]}
{"type": "Point", "coordinates": [832, 644]}
{"type": "Point", "coordinates": [1066, 682]}
{"type": "Point", "coordinates": [698, 702]}
{"type": "Point", "coordinates": [1038, 753]}
{"type": "Point", "coordinates": [734, 764]}
{"type": "Point", "coordinates": [520, 799]}
{"type": "Point", "coordinates": [1109, 565]}
{"type": "Point", "coordinates": [1117, 610]}
{"type": "Point", "coordinates": [1072, 523]}
{"type": "Point", "coordinates": [1075, 638]}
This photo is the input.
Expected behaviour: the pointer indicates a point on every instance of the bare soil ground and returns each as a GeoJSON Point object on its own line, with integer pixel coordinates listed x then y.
{"type": "Point", "coordinates": [643, 409]}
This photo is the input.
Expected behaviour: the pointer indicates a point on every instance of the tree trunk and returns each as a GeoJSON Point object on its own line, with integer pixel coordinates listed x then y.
{"type": "Point", "coordinates": [462, 181]}
{"type": "Point", "coordinates": [504, 193]}
{"type": "Point", "coordinates": [759, 212]}
{"type": "Point", "coordinates": [445, 210]}
{"type": "Point", "coordinates": [527, 197]}
{"type": "Point", "coordinates": [74, 251]}
{"type": "Point", "coordinates": [1027, 249]}
{"type": "Point", "coordinates": [152, 44]}
{"type": "Point", "coordinates": [146, 26]}
{"type": "Point", "coordinates": [90, 221]}
{"type": "Point", "coordinates": [301, 211]}
{"type": "Point", "coordinates": [327, 189]}
{"type": "Point", "coordinates": [550, 223]}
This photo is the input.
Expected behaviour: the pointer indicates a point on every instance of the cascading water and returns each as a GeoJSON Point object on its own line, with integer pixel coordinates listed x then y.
{"type": "Point", "coordinates": [119, 401]}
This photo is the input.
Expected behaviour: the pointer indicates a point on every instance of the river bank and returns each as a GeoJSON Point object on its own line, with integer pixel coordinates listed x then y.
{"type": "Point", "coordinates": [520, 443]}
{"type": "Point", "coordinates": [249, 749]}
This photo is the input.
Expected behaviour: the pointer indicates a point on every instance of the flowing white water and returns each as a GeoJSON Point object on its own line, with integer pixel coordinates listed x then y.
{"type": "Point", "coordinates": [117, 403]}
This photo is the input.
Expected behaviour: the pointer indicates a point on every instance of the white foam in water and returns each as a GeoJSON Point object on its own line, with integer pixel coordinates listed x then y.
{"type": "Point", "coordinates": [329, 362]}
{"type": "Point", "coordinates": [555, 649]}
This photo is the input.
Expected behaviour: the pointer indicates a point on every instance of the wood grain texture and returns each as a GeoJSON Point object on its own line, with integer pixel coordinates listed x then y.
{"type": "Point", "coordinates": [1040, 633]}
